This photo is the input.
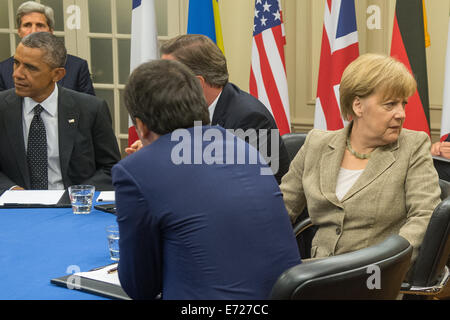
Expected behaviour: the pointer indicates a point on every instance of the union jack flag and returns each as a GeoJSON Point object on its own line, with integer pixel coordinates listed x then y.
{"type": "Point", "coordinates": [339, 48]}
{"type": "Point", "coordinates": [268, 80]}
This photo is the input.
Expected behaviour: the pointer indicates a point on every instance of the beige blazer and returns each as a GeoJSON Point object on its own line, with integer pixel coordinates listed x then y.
{"type": "Point", "coordinates": [395, 194]}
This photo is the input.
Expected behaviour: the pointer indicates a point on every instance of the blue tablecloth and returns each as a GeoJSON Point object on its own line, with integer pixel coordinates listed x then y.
{"type": "Point", "coordinates": [37, 245]}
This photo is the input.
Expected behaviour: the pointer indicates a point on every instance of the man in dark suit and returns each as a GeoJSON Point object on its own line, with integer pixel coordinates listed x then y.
{"type": "Point", "coordinates": [229, 106]}
{"type": "Point", "coordinates": [196, 229]}
{"type": "Point", "coordinates": [67, 135]}
{"type": "Point", "coordinates": [32, 17]}
{"type": "Point", "coordinates": [441, 158]}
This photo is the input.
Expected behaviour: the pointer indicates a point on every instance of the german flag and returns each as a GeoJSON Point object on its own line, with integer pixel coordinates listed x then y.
{"type": "Point", "coordinates": [408, 46]}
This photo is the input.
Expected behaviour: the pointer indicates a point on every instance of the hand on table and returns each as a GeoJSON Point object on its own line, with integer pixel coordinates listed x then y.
{"type": "Point", "coordinates": [17, 188]}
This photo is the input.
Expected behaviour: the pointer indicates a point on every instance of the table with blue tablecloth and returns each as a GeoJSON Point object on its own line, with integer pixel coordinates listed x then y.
{"type": "Point", "coordinates": [39, 244]}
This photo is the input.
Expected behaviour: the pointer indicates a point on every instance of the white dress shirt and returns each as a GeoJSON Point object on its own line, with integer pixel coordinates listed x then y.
{"type": "Point", "coordinates": [50, 118]}
{"type": "Point", "coordinates": [212, 107]}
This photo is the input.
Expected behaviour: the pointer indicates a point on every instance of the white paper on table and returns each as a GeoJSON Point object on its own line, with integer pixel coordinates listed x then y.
{"type": "Point", "coordinates": [102, 274]}
{"type": "Point", "coordinates": [107, 196]}
{"type": "Point", "coordinates": [46, 197]}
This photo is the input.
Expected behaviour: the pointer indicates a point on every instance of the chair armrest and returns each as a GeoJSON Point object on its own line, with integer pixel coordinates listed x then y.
{"type": "Point", "coordinates": [302, 225]}
{"type": "Point", "coordinates": [427, 291]}
{"type": "Point", "coordinates": [434, 250]}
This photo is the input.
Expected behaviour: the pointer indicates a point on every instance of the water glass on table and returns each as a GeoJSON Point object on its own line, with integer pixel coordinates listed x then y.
{"type": "Point", "coordinates": [81, 198]}
{"type": "Point", "coordinates": [112, 233]}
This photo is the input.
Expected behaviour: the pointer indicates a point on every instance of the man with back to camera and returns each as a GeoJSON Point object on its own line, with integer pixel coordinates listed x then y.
{"type": "Point", "coordinates": [35, 17]}
{"type": "Point", "coordinates": [52, 137]}
{"type": "Point", "coordinates": [198, 229]}
{"type": "Point", "coordinates": [229, 106]}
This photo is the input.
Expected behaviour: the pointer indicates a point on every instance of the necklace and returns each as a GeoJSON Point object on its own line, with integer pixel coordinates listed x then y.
{"type": "Point", "coordinates": [356, 154]}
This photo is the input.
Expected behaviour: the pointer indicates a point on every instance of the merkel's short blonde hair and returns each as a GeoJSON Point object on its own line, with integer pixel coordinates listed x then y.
{"type": "Point", "coordinates": [371, 73]}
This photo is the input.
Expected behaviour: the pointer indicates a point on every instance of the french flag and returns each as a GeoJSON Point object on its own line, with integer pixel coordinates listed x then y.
{"type": "Point", "coordinates": [144, 43]}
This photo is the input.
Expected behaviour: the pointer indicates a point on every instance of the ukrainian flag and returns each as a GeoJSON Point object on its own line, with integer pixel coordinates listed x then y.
{"type": "Point", "coordinates": [204, 18]}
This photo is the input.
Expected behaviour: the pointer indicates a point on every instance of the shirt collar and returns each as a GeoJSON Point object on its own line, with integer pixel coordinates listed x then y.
{"type": "Point", "coordinates": [213, 105]}
{"type": "Point", "coordinates": [50, 104]}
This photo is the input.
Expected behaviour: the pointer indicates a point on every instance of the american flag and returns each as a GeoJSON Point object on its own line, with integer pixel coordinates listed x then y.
{"type": "Point", "coordinates": [268, 80]}
{"type": "Point", "coordinates": [339, 48]}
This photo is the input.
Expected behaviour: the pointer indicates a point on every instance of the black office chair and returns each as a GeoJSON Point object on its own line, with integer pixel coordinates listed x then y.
{"type": "Point", "coordinates": [375, 272]}
{"type": "Point", "coordinates": [442, 167]}
{"type": "Point", "coordinates": [293, 143]}
{"type": "Point", "coordinates": [445, 188]}
{"type": "Point", "coordinates": [430, 273]}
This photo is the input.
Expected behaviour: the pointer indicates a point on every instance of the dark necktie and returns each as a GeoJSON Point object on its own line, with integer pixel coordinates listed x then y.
{"type": "Point", "coordinates": [37, 152]}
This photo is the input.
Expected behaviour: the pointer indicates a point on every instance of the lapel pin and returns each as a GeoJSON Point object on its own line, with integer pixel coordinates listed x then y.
{"type": "Point", "coordinates": [71, 120]}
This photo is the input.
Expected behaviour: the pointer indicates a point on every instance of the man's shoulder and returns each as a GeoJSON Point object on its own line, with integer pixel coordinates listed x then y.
{"type": "Point", "coordinates": [79, 96]}
{"type": "Point", "coordinates": [9, 98]}
{"type": "Point", "coordinates": [6, 68]}
{"type": "Point", "coordinates": [8, 93]}
{"type": "Point", "coordinates": [234, 94]}
{"type": "Point", "coordinates": [148, 158]}
{"type": "Point", "coordinates": [75, 61]}
{"type": "Point", "coordinates": [7, 61]}
{"type": "Point", "coordinates": [242, 106]}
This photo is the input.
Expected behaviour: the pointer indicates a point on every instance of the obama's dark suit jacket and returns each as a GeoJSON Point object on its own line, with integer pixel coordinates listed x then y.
{"type": "Point", "coordinates": [87, 145]}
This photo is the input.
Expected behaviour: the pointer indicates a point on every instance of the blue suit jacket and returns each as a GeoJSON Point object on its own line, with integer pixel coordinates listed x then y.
{"type": "Point", "coordinates": [199, 231]}
{"type": "Point", "coordinates": [77, 75]}
{"type": "Point", "coordinates": [236, 109]}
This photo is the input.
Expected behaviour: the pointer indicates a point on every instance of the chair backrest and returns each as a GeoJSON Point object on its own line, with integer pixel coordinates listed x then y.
{"type": "Point", "coordinates": [293, 143]}
{"type": "Point", "coordinates": [442, 166]}
{"type": "Point", "coordinates": [375, 272]}
{"type": "Point", "coordinates": [435, 248]}
{"type": "Point", "coordinates": [445, 188]}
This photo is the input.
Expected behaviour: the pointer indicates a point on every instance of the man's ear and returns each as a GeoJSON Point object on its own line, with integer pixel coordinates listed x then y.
{"type": "Point", "coordinates": [141, 129]}
{"type": "Point", "coordinates": [58, 74]}
{"type": "Point", "coordinates": [202, 81]}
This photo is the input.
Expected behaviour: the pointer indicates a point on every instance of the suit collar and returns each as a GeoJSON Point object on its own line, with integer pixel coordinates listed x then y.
{"type": "Point", "coordinates": [330, 163]}
{"type": "Point", "coordinates": [212, 106]}
{"type": "Point", "coordinates": [50, 104]}
{"type": "Point", "coordinates": [221, 107]}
